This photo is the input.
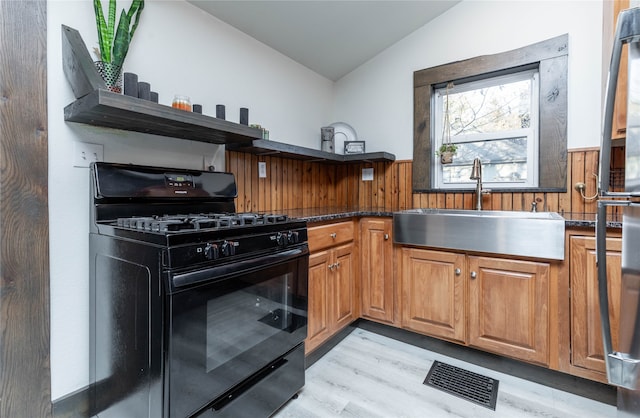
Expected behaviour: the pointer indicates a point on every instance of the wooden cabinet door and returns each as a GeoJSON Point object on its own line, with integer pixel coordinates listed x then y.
{"type": "Point", "coordinates": [433, 293]}
{"type": "Point", "coordinates": [586, 334]}
{"type": "Point", "coordinates": [332, 281]}
{"type": "Point", "coordinates": [319, 309]}
{"type": "Point", "coordinates": [342, 277]}
{"type": "Point", "coordinates": [620, 106]}
{"type": "Point", "coordinates": [509, 307]}
{"type": "Point", "coordinates": [376, 270]}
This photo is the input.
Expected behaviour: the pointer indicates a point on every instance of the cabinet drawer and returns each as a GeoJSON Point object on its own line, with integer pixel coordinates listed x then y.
{"type": "Point", "coordinates": [329, 235]}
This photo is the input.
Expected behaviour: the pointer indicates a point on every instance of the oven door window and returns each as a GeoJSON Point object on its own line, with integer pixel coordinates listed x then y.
{"type": "Point", "coordinates": [226, 330]}
{"type": "Point", "coordinates": [240, 320]}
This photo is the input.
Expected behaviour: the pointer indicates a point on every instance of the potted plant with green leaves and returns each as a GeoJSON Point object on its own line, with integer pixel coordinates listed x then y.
{"type": "Point", "coordinates": [114, 40]}
{"type": "Point", "coordinates": [446, 152]}
{"type": "Point", "coordinates": [447, 149]}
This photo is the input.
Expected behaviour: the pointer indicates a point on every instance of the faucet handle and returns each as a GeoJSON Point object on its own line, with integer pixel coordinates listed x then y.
{"type": "Point", "coordinates": [534, 206]}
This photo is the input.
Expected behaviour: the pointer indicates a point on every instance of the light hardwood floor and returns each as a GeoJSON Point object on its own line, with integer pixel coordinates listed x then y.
{"type": "Point", "coordinates": [369, 375]}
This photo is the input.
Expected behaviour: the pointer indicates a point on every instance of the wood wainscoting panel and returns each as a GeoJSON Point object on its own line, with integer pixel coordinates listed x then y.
{"type": "Point", "coordinates": [296, 184]}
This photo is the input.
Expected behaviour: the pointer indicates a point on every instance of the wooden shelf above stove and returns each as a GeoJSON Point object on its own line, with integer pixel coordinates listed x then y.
{"type": "Point", "coordinates": [113, 110]}
{"type": "Point", "coordinates": [267, 147]}
{"type": "Point", "coordinates": [97, 106]}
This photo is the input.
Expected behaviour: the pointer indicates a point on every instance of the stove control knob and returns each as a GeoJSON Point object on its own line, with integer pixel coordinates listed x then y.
{"type": "Point", "coordinates": [293, 237]}
{"type": "Point", "coordinates": [281, 239]}
{"type": "Point", "coordinates": [228, 248]}
{"type": "Point", "coordinates": [211, 251]}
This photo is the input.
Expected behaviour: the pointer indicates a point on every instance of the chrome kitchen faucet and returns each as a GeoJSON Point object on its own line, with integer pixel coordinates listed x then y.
{"type": "Point", "coordinates": [476, 174]}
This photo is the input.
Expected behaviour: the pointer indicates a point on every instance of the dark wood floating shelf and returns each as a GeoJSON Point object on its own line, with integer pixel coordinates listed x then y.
{"type": "Point", "coordinates": [97, 106]}
{"type": "Point", "coordinates": [267, 147]}
{"type": "Point", "coordinates": [113, 110]}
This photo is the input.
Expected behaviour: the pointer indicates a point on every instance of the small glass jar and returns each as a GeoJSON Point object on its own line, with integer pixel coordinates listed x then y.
{"type": "Point", "coordinates": [181, 102]}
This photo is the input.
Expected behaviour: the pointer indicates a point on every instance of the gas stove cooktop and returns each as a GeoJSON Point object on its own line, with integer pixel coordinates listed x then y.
{"type": "Point", "coordinates": [199, 221]}
{"type": "Point", "coordinates": [171, 207]}
{"type": "Point", "coordinates": [258, 231]}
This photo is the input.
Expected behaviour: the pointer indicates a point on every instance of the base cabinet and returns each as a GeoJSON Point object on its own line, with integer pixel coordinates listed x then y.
{"type": "Point", "coordinates": [498, 305]}
{"type": "Point", "coordinates": [509, 307]}
{"type": "Point", "coordinates": [434, 293]}
{"type": "Point", "coordinates": [332, 282]}
{"type": "Point", "coordinates": [376, 271]}
{"type": "Point", "coordinates": [506, 306]}
{"type": "Point", "coordinates": [586, 335]}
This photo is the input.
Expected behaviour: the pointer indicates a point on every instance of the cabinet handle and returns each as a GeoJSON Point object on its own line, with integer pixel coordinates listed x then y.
{"type": "Point", "coordinates": [474, 274]}
{"type": "Point", "coordinates": [337, 264]}
{"type": "Point", "coordinates": [386, 236]}
{"type": "Point", "coordinates": [333, 235]}
{"type": "Point", "coordinates": [331, 266]}
{"type": "Point", "coordinates": [457, 271]}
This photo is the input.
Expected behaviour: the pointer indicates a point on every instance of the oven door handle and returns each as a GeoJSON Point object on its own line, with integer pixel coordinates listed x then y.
{"type": "Point", "coordinates": [216, 273]}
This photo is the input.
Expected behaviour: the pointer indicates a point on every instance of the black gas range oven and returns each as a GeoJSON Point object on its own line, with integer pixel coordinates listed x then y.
{"type": "Point", "coordinates": [195, 310]}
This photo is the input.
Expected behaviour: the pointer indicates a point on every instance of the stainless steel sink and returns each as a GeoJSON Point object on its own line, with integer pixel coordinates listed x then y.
{"type": "Point", "coordinates": [528, 234]}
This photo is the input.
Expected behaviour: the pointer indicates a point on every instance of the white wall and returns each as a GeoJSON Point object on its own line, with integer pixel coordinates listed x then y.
{"type": "Point", "coordinates": [377, 98]}
{"type": "Point", "coordinates": [178, 49]}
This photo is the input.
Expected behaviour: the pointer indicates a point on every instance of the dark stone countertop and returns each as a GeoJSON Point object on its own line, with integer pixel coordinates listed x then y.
{"type": "Point", "coordinates": [588, 220]}
{"type": "Point", "coordinates": [324, 214]}
{"type": "Point", "coordinates": [334, 213]}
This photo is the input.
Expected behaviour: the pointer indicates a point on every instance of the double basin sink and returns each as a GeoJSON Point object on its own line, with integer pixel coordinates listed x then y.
{"type": "Point", "coordinates": [527, 234]}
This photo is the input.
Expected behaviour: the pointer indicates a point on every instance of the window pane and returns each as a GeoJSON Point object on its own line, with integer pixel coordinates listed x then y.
{"type": "Point", "coordinates": [489, 109]}
{"type": "Point", "coordinates": [503, 160]}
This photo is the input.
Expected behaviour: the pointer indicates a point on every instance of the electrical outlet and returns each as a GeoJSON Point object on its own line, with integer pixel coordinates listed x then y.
{"type": "Point", "coordinates": [367, 174]}
{"type": "Point", "coordinates": [86, 153]}
{"type": "Point", "coordinates": [262, 169]}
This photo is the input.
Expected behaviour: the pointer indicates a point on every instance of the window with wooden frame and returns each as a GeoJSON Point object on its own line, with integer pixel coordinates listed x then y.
{"type": "Point", "coordinates": [494, 119]}
{"type": "Point", "coordinates": [543, 143]}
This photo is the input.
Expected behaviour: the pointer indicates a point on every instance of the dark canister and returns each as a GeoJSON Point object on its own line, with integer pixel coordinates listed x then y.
{"type": "Point", "coordinates": [131, 84]}
{"type": "Point", "coordinates": [220, 111]}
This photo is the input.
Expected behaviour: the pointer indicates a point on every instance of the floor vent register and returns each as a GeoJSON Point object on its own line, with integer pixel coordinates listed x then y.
{"type": "Point", "coordinates": [476, 388]}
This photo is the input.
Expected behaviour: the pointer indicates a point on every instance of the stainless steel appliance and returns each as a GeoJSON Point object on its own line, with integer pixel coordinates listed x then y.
{"type": "Point", "coordinates": [195, 310]}
{"type": "Point", "coordinates": [623, 365]}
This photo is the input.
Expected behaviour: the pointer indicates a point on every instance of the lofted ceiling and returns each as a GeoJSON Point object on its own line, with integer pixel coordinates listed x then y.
{"type": "Point", "coordinates": [330, 37]}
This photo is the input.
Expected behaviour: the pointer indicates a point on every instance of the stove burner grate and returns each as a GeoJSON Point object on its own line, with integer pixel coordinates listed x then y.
{"type": "Point", "coordinates": [181, 222]}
